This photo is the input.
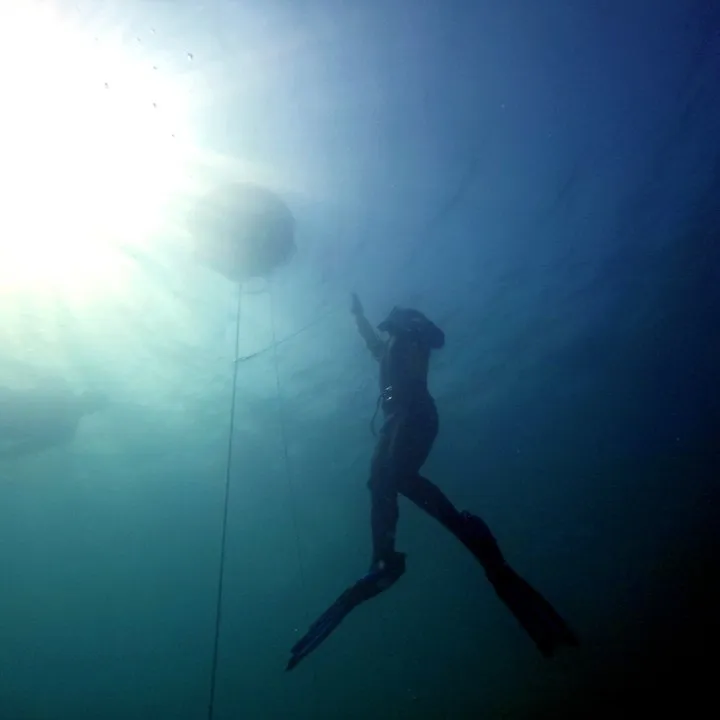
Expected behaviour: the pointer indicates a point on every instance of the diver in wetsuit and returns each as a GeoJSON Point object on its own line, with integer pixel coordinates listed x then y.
{"type": "Point", "coordinates": [404, 443]}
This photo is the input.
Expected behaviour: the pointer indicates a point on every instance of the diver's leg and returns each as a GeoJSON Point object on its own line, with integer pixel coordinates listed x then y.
{"type": "Point", "coordinates": [428, 497]}
{"type": "Point", "coordinates": [387, 565]}
{"type": "Point", "coordinates": [405, 443]}
{"type": "Point", "coordinates": [539, 619]}
{"type": "Point", "coordinates": [383, 518]}
{"type": "Point", "coordinates": [383, 495]}
{"type": "Point", "coordinates": [469, 529]}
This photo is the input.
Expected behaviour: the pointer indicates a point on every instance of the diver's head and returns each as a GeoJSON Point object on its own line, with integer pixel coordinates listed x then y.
{"type": "Point", "coordinates": [406, 321]}
{"type": "Point", "coordinates": [92, 401]}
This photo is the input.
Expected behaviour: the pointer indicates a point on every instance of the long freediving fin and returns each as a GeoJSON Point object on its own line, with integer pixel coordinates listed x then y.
{"type": "Point", "coordinates": [372, 584]}
{"type": "Point", "coordinates": [536, 615]}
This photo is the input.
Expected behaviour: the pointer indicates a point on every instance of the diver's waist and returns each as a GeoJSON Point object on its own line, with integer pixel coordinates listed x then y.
{"type": "Point", "coordinates": [393, 397]}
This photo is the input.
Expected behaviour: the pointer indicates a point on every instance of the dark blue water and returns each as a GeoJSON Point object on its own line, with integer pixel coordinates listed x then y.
{"type": "Point", "coordinates": [543, 180]}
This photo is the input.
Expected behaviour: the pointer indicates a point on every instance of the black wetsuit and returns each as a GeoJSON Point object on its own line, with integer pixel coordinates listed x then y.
{"type": "Point", "coordinates": [404, 443]}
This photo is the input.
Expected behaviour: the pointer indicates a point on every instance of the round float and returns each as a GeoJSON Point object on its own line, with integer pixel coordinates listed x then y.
{"type": "Point", "coordinates": [243, 231]}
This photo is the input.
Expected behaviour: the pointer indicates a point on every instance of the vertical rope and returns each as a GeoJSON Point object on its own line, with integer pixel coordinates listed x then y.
{"type": "Point", "coordinates": [226, 504]}
{"type": "Point", "coordinates": [288, 474]}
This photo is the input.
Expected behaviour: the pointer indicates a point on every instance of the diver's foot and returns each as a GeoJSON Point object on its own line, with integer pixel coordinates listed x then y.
{"type": "Point", "coordinates": [388, 569]}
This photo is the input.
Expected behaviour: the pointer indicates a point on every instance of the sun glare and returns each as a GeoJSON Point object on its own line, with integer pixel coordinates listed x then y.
{"type": "Point", "coordinates": [91, 148]}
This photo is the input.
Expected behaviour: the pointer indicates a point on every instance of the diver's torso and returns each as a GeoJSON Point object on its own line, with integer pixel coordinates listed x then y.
{"type": "Point", "coordinates": [404, 371]}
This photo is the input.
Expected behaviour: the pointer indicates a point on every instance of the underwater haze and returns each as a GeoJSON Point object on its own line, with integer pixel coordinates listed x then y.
{"type": "Point", "coordinates": [542, 179]}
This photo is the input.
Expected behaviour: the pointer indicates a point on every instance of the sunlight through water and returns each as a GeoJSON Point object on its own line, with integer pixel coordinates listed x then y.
{"type": "Point", "coordinates": [93, 140]}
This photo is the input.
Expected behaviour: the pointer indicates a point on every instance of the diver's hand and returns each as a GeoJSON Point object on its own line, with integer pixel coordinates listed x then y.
{"type": "Point", "coordinates": [356, 307]}
{"type": "Point", "coordinates": [373, 342]}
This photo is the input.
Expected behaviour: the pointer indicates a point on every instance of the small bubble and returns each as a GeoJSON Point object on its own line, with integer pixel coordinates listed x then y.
{"type": "Point", "coordinates": [154, 67]}
{"type": "Point", "coordinates": [190, 56]}
{"type": "Point", "coordinates": [155, 105]}
{"type": "Point", "coordinates": [152, 30]}
{"type": "Point", "coordinates": [107, 86]}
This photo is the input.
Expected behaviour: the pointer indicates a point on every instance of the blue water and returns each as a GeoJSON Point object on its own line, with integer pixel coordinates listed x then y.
{"type": "Point", "coordinates": [541, 179]}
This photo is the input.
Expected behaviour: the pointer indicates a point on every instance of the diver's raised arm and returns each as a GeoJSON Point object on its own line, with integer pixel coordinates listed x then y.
{"type": "Point", "coordinates": [374, 343]}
